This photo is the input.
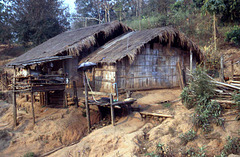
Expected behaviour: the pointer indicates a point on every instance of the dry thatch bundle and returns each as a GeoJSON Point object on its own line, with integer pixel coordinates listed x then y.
{"type": "Point", "coordinates": [131, 43]}
{"type": "Point", "coordinates": [73, 42]}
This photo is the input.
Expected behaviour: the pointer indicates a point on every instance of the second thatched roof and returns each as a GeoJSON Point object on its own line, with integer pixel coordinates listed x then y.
{"type": "Point", "coordinates": [130, 44]}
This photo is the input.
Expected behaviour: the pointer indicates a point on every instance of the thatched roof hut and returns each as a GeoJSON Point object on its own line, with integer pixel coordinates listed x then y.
{"type": "Point", "coordinates": [74, 42]}
{"type": "Point", "coordinates": [130, 44]}
{"type": "Point", "coordinates": [144, 59]}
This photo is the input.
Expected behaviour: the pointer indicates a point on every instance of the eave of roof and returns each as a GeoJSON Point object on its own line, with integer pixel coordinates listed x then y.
{"type": "Point", "coordinates": [130, 44]}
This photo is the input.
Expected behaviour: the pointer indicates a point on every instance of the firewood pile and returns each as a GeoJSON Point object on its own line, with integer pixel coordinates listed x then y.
{"type": "Point", "coordinates": [225, 91]}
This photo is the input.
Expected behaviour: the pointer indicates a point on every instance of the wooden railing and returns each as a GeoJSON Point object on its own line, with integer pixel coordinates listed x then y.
{"type": "Point", "coordinates": [26, 83]}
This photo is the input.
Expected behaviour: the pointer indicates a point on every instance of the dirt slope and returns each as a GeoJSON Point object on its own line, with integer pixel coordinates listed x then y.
{"type": "Point", "coordinates": [55, 127]}
{"type": "Point", "coordinates": [133, 137]}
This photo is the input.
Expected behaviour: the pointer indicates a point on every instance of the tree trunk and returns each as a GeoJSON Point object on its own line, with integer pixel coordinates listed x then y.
{"type": "Point", "coordinates": [120, 15]}
{"type": "Point", "coordinates": [99, 21]}
{"type": "Point", "coordinates": [139, 14]}
{"type": "Point", "coordinates": [108, 13]}
{"type": "Point", "coordinates": [214, 31]}
{"type": "Point", "coordinates": [105, 14]}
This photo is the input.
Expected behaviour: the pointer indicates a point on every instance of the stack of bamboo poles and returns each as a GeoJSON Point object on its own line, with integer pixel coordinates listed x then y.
{"type": "Point", "coordinates": [225, 91]}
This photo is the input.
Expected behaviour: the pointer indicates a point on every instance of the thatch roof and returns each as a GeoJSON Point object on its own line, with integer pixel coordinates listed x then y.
{"type": "Point", "coordinates": [130, 44]}
{"type": "Point", "coordinates": [74, 41]}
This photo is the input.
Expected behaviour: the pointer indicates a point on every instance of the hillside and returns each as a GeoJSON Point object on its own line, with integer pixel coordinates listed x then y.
{"type": "Point", "coordinates": [61, 129]}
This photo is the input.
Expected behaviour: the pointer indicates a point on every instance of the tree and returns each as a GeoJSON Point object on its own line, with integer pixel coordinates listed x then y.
{"type": "Point", "coordinates": [5, 28]}
{"type": "Point", "coordinates": [94, 11]}
{"type": "Point", "coordinates": [231, 12]}
{"type": "Point", "coordinates": [214, 7]}
{"type": "Point", "coordinates": [36, 21]}
{"type": "Point", "coordinates": [199, 3]}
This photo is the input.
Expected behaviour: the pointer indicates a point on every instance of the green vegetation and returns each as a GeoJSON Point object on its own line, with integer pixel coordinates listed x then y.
{"type": "Point", "coordinates": [231, 147]}
{"type": "Point", "coordinates": [161, 151]}
{"type": "Point", "coordinates": [236, 99]}
{"type": "Point", "coordinates": [233, 35]}
{"type": "Point", "coordinates": [167, 105]}
{"type": "Point", "coordinates": [188, 136]}
{"type": "Point", "coordinates": [198, 19]}
{"type": "Point", "coordinates": [30, 21]}
{"type": "Point", "coordinates": [195, 153]}
{"type": "Point", "coordinates": [198, 95]}
{"type": "Point", "coordinates": [29, 154]}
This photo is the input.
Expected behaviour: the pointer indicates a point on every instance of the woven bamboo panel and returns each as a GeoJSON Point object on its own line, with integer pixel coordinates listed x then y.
{"type": "Point", "coordinates": [105, 78]}
{"type": "Point", "coordinates": [154, 67]}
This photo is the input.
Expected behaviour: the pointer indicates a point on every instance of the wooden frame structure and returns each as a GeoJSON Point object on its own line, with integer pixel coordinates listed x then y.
{"type": "Point", "coordinates": [43, 83]}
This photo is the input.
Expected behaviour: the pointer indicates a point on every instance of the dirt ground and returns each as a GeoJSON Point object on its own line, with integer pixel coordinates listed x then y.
{"type": "Point", "coordinates": [229, 54]}
{"type": "Point", "coordinates": [134, 137]}
{"type": "Point", "coordinates": [54, 128]}
{"type": "Point", "coordinates": [59, 127]}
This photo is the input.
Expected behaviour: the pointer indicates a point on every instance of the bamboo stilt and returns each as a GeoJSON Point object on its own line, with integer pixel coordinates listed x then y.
{"type": "Point", "coordinates": [33, 114]}
{"type": "Point", "coordinates": [112, 110]}
{"type": "Point", "coordinates": [14, 100]}
{"type": "Point", "coordinates": [86, 103]}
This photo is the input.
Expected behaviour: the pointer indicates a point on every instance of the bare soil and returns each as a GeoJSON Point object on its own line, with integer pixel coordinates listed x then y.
{"type": "Point", "coordinates": [134, 137]}
{"type": "Point", "coordinates": [54, 128]}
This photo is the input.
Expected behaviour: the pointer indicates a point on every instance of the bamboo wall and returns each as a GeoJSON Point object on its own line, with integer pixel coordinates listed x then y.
{"type": "Point", "coordinates": [154, 67]}
{"type": "Point", "coordinates": [104, 78]}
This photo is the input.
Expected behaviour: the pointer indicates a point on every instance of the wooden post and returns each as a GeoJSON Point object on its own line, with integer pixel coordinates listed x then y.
{"type": "Point", "coordinates": [75, 93]}
{"type": "Point", "coordinates": [180, 75]}
{"type": "Point", "coordinates": [232, 69]}
{"type": "Point", "coordinates": [191, 63]}
{"type": "Point", "coordinates": [14, 99]}
{"type": "Point", "coordinates": [32, 108]}
{"type": "Point", "coordinates": [6, 80]}
{"type": "Point", "coordinates": [65, 103]}
{"type": "Point", "coordinates": [2, 82]}
{"type": "Point", "coordinates": [222, 69]}
{"type": "Point", "coordinates": [46, 98]}
{"type": "Point", "coordinates": [112, 110]}
{"type": "Point", "coordinates": [86, 102]}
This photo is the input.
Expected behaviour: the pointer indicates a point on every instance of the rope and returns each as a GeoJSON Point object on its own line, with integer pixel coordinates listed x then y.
{"type": "Point", "coordinates": [90, 87]}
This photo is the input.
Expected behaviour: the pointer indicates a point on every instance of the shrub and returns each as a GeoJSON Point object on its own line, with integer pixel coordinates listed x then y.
{"type": "Point", "coordinates": [198, 94]}
{"type": "Point", "coordinates": [232, 146]}
{"type": "Point", "coordinates": [233, 35]}
{"type": "Point", "coordinates": [187, 137]}
{"type": "Point", "coordinates": [187, 99]}
{"type": "Point", "coordinates": [29, 154]}
{"type": "Point", "coordinates": [161, 151]}
{"type": "Point", "coordinates": [236, 99]}
{"type": "Point", "coordinates": [167, 105]}
{"type": "Point", "coordinates": [195, 153]}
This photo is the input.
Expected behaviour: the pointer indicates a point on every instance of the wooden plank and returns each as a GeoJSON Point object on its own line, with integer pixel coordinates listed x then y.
{"type": "Point", "coordinates": [224, 101]}
{"type": "Point", "coordinates": [235, 84]}
{"type": "Point", "coordinates": [99, 93]}
{"type": "Point", "coordinates": [48, 88]}
{"type": "Point", "coordinates": [156, 114]}
{"type": "Point", "coordinates": [226, 85]}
